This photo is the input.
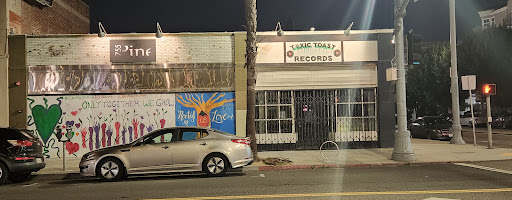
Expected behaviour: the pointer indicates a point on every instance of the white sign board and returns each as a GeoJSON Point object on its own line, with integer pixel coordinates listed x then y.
{"type": "Point", "coordinates": [313, 52]}
{"type": "Point", "coordinates": [469, 82]}
{"type": "Point", "coordinates": [391, 74]}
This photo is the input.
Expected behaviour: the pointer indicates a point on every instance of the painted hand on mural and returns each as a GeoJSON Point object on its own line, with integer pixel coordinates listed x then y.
{"type": "Point", "coordinates": [117, 125]}
{"type": "Point", "coordinates": [135, 123]}
{"type": "Point", "coordinates": [201, 106]}
{"type": "Point", "coordinates": [109, 136]}
{"type": "Point", "coordinates": [97, 131]}
{"type": "Point", "coordinates": [84, 134]}
{"type": "Point", "coordinates": [130, 130]}
{"type": "Point", "coordinates": [142, 126]}
{"type": "Point", "coordinates": [104, 138]}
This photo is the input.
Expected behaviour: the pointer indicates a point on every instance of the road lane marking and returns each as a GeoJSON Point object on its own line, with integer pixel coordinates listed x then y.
{"type": "Point", "coordinates": [262, 175]}
{"type": "Point", "coordinates": [33, 184]}
{"type": "Point", "coordinates": [346, 194]}
{"type": "Point", "coordinates": [484, 168]}
{"type": "Point", "coordinates": [507, 154]}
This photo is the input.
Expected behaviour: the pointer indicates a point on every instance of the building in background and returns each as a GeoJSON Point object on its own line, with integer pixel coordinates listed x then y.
{"type": "Point", "coordinates": [33, 17]}
{"type": "Point", "coordinates": [497, 15]}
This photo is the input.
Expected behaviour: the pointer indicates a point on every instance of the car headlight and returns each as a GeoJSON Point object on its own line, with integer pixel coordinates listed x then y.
{"type": "Point", "coordinates": [437, 131]}
{"type": "Point", "coordinates": [88, 156]}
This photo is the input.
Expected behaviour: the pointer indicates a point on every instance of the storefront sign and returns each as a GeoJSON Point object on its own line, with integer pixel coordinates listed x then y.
{"type": "Point", "coordinates": [313, 52]}
{"type": "Point", "coordinates": [132, 51]}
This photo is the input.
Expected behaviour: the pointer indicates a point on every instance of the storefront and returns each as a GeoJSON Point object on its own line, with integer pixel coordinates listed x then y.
{"type": "Point", "coordinates": [314, 87]}
{"type": "Point", "coordinates": [113, 90]}
{"type": "Point", "coordinates": [311, 87]}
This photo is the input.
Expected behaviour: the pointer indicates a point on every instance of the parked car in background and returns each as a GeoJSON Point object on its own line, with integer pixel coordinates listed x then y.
{"type": "Point", "coordinates": [432, 127]}
{"type": "Point", "coordinates": [503, 120]}
{"type": "Point", "coordinates": [179, 149]}
{"type": "Point", "coordinates": [21, 153]}
{"type": "Point", "coordinates": [480, 119]}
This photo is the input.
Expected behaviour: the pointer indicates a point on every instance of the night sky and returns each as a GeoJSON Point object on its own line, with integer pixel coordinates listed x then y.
{"type": "Point", "coordinates": [429, 18]}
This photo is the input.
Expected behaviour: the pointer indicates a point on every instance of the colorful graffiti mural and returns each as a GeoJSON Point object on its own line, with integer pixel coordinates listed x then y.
{"type": "Point", "coordinates": [215, 110]}
{"type": "Point", "coordinates": [92, 122]}
{"type": "Point", "coordinates": [95, 121]}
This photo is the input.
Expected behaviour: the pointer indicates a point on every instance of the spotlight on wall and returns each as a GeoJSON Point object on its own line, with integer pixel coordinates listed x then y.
{"type": "Point", "coordinates": [279, 30]}
{"type": "Point", "coordinates": [347, 32]}
{"type": "Point", "coordinates": [159, 32]}
{"type": "Point", "coordinates": [101, 30]}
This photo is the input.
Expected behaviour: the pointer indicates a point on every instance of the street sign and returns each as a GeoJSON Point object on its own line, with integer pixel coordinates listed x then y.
{"type": "Point", "coordinates": [469, 82]}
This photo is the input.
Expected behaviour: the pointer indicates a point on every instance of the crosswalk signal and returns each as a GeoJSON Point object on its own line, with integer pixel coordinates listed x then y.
{"type": "Point", "coordinates": [489, 89]}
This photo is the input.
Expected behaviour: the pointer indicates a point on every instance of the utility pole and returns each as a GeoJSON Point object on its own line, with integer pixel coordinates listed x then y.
{"type": "Point", "coordinates": [403, 148]}
{"type": "Point", "coordinates": [456, 127]}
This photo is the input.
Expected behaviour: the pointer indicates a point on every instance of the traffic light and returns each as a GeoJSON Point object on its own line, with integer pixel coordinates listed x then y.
{"type": "Point", "coordinates": [489, 89]}
{"type": "Point", "coordinates": [414, 52]}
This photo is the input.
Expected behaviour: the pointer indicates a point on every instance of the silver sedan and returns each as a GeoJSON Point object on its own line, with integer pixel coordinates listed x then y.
{"type": "Point", "coordinates": [179, 149]}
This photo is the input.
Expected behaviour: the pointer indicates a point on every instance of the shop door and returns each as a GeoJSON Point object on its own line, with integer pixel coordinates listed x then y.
{"type": "Point", "coordinates": [314, 113]}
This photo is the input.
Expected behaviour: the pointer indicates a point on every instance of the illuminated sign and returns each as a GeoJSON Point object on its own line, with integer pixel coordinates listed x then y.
{"type": "Point", "coordinates": [133, 51]}
{"type": "Point", "coordinates": [313, 52]}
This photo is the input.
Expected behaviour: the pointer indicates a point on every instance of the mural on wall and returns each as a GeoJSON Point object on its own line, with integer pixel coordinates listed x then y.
{"type": "Point", "coordinates": [214, 110]}
{"type": "Point", "coordinates": [91, 122]}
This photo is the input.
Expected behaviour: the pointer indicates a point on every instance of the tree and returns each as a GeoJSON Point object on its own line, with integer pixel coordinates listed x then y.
{"type": "Point", "coordinates": [487, 54]}
{"type": "Point", "coordinates": [428, 84]}
{"type": "Point", "coordinates": [250, 56]}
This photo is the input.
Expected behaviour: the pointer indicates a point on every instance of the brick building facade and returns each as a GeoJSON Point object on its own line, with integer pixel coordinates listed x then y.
{"type": "Point", "coordinates": [63, 17]}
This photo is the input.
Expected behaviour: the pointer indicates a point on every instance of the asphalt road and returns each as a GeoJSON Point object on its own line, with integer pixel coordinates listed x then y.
{"type": "Point", "coordinates": [501, 138]}
{"type": "Point", "coordinates": [484, 180]}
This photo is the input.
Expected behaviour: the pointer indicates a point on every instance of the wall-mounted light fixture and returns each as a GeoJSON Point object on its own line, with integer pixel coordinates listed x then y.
{"type": "Point", "coordinates": [101, 30]}
{"type": "Point", "coordinates": [347, 32]}
{"type": "Point", "coordinates": [159, 32]}
{"type": "Point", "coordinates": [279, 30]}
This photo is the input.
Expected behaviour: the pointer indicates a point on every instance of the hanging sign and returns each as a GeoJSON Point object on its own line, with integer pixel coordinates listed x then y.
{"type": "Point", "coordinates": [132, 51]}
{"type": "Point", "coordinates": [313, 52]}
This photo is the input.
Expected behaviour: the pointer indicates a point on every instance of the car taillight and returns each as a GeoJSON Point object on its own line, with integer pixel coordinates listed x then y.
{"type": "Point", "coordinates": [241, 141]}
{"type": "Point", "coordinates": [20, 143]}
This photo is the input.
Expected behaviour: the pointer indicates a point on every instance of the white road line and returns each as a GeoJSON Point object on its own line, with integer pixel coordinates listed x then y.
{"type": "Point", "coordinates": [484, 168]}
{"type": "Point", "coordinates": [33, 184]}
{"type": "Point", "coordinates": [262, 175]}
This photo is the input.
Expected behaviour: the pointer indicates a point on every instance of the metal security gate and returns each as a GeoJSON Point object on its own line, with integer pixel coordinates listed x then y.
{"type": "Point", "coordinates": [304, 119]}
{"type": "Point", "coordinates": [313, 117]}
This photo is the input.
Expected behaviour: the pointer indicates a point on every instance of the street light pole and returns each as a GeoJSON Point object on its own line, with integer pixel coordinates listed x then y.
{"type": "Point", "coordinates": [457, 129]}
{"type": "Point", "coordinates": [403, 148]}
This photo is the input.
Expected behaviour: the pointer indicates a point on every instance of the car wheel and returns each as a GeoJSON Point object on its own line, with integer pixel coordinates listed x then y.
{"type": "Point", "coordinates": [19, 177]}
{"type": "Point", "coordinates": [4, 173]}
{"type": "Point", "coordinates": [110, 169]}
{"type": "Point", "coordinates": [215, 165]}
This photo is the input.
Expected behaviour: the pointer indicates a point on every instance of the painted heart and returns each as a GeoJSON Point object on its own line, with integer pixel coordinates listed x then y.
{"type": "Point", "coordinates": [80, 109]}
{"type": "Point", "coordinates": [72, 147]}
{"type": "Point", "coordinates": [74, 113]}
{"type": "Point", "coordinates": [46, 120]}
{"type": "Point", "coordinates": [70, 123]}
{"type": "Point", "coordinates": [77, 125]}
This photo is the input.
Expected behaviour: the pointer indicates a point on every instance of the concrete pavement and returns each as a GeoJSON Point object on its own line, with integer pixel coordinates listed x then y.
{"type": "Point", "coordinates": [427, 152]}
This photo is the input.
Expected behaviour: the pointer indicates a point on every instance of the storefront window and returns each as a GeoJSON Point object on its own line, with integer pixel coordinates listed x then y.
{"type": "Point", "coordinates": [118, 79]}
{"type": "Point", "coordinates": [356, 110]}
{"type": "Point", "coordinates": [274, 112]}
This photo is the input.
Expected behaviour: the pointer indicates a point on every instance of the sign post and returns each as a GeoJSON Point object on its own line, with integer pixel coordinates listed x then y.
{"type": "Point", "coordinates": [469, 83]}
{"type": "Point", "coordinates": [489, 89]}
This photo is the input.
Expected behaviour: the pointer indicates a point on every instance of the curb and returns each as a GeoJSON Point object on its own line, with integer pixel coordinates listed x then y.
{"type": "Point", "coordinates": [320, 166]}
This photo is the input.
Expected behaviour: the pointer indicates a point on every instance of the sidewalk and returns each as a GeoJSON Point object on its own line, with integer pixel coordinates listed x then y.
{"type": "Point", "coordinates": [426, 151]}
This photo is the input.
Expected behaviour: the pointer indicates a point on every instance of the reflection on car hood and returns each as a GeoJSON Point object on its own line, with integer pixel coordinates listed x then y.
{"type": "Point", "coordinates": [440, 126]}
{"type": "Point", "coordinates": [112, 148]}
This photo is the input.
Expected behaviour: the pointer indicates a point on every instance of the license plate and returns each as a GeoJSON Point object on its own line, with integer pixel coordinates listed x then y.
{"type": "Point", "coordinates": [451, 135]}
{"type": "Point", "coordinates": [39, 160]}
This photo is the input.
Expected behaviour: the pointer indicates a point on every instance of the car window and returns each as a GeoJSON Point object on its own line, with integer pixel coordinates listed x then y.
{"type": "Point", "coordinates": [164, 137]}
{"type": "Point", "coordinates": [193, 134]}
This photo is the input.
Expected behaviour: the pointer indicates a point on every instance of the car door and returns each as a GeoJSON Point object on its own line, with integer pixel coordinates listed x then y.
{"type": "Point", "coordinates": [416, 128]}
{"type": "Point", "coordinates": [191, 147]}
{"type": "Point", "coordinates": [153, 152]}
